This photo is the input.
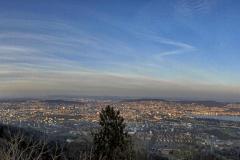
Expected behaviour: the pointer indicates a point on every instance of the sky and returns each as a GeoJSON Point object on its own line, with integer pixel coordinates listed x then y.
{"type": "Point", "coordinates": [185, 49]}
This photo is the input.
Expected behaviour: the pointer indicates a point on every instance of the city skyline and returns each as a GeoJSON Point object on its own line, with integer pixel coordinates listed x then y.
{"type": "Point", "coordinates": [181, 49]}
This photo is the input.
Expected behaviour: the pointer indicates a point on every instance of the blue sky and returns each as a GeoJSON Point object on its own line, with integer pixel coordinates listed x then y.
{"type": "Point", "coordinates": [154, 48]}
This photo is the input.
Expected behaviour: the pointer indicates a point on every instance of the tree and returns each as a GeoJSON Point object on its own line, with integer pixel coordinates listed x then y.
{"type": "Point", "coordinates": [111, 142]}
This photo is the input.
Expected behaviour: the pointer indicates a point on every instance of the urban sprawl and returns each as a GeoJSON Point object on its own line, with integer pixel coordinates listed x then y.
{"type": "Point", "coordinates": [158, 125]}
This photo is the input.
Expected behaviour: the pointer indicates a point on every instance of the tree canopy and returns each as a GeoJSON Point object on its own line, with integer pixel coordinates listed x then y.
{"type": "Point", "coordinates": [111, 141]}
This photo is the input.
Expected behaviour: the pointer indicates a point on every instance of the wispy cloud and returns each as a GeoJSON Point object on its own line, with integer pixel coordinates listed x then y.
{"type": "Point", "coordinates": [194, 7]}
{"type": "Point", "coordinates": [79, 44]}
{"type": "Point", "coordinates": [179, 47]}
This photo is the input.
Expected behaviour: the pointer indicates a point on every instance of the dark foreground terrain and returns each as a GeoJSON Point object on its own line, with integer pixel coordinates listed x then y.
{"type": "Point", "coordinates": [28, 144]}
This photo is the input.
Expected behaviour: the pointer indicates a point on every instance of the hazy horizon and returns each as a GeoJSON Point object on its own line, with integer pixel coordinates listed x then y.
{"type": "Point", "coordinates": [148, 48]}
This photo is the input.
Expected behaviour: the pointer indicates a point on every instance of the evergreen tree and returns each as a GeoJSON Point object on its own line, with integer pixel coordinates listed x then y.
{"type": "Point", "coordinates": [111, 142]}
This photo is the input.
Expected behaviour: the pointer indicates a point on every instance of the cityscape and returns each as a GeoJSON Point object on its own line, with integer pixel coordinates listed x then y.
{"type": "Point", "coordinates": [160, 125]}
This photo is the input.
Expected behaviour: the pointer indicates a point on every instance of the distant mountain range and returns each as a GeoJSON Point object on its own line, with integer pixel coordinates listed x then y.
{"type": "Point", "coordinates": [208, 103]}
{"type": "Point", "coordinates": [205, 103]}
